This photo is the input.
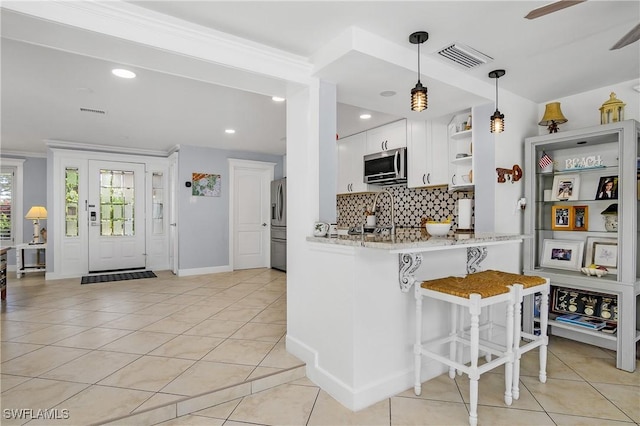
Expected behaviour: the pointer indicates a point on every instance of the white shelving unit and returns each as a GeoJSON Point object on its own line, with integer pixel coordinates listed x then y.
{"type": "Point", "coordinates": [460, 143]}
{"type": "Point", "coordinates": [612, 298]}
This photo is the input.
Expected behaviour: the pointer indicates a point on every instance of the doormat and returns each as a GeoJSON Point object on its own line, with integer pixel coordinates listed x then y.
{"type": "Point", "coordinates": [92, 279]}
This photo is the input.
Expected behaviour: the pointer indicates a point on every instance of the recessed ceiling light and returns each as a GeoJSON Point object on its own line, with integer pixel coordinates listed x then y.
{"type": "Point", "coordinates": [365, 116]}
{"type": "Point", "coordinates": [123, 73]}
{"type": "Point", "coordinates": [387, 93]}
{"type": "Point", "coordinates": [277, 99]}
{"type": "Point", "coordinates": [229, 131]}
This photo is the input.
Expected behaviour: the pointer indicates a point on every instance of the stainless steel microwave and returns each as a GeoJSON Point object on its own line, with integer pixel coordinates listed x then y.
{"type": "Point", "coordinates": [386, 167]}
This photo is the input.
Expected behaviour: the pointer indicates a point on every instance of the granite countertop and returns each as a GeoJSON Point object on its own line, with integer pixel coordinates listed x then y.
{"type": "Point", "coordinates": [415, 239]}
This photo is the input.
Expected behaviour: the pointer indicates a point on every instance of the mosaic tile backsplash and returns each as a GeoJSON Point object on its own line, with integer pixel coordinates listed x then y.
{"type": "Point", "coordinates": [412, 204]}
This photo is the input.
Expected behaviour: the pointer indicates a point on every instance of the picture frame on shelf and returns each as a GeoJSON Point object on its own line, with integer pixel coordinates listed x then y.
{"type": "Point", "coordinates": [562, 218]}
{"type": "Point", "coordinates": [602, 251]}
{"type": "Point", "coordinates": [580, 220]}
{"type": "Point", "coordinates": [566, 187]}
{"type": "Point", "coordinates": [562, 254]}
{"type": "Point", "coordinates": [607, 188]}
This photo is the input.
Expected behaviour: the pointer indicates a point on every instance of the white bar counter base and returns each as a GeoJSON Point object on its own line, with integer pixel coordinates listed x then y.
{"type": "Point", "coordinates": [356, 328]}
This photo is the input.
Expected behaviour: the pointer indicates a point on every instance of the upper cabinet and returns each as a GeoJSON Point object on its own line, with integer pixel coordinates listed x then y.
{"type": "Point", "coordinates": [583, 192]}
{"type": "Point", "coordinates": [427, 154]}
{"type": "Point", "coordinates": [351, 151]}
{"type": "Point", "coordinates": [389, 136]}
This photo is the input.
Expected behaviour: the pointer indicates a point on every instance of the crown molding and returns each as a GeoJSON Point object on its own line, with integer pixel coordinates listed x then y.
{"type": "Point", "coordinates": [130, 22]}
{"type": "Point", "coordinates": [80, 146]}
{"type": "Point", "coordinates": [23, 154]}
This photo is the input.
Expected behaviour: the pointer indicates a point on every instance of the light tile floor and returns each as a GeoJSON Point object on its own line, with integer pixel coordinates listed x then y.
{"type": "Point", "coordinates": [107, 350]}
{"type": "Point", "coordinates": [583, 388]}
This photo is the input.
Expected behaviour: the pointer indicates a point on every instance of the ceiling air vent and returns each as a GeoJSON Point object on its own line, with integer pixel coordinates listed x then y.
{"type": "Point", "coordinates": [465, 56]}
{"type": "Point", "coordinates": [93, 110]}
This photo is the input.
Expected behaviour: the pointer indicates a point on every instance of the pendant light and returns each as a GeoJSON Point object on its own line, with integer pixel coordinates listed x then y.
{"type": "Point", "coordinates": [419, 93]}
{"type": "Point", "coordinates": [497, 119]}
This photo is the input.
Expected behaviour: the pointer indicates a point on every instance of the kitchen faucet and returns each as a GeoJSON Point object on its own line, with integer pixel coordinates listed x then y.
{"type": "Point", "coordinates": [393, 203]}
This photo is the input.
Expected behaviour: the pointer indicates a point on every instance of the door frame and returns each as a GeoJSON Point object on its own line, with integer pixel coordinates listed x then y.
{"type": "Point", "coordinates": [243, 164]}
{"type": "Point", "coordinates": [66, 257]}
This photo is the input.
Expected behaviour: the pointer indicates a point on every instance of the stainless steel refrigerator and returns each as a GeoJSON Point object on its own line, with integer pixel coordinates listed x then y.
{"type": "Point", "coordinates": [279, 224]}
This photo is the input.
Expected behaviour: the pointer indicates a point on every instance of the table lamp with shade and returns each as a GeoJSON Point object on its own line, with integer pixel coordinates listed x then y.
{"type": "Point", "coordinates": [552, 117]}
{"type": "Point", "coordinates": [36, 213]}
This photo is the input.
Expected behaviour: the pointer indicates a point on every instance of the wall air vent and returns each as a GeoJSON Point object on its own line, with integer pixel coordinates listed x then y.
{"type": "Point", "coordinates": [93, 110]}
{"type": "Point", "coordinates": [465, 56]}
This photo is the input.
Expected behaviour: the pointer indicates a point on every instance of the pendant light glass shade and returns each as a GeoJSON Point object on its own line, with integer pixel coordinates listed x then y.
{"type": "Point", "coordinates": [497, 122]}
{"type": "Point", "coordinates": [497, 119]}
{"type": "Point", "coordinates": [419, 99]}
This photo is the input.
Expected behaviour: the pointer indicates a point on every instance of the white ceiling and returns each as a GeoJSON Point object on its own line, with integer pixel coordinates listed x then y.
{"type": "Point", "coordinates": [50, 71]}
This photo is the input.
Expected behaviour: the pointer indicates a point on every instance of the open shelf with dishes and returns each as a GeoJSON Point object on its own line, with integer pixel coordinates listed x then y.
{"type": "Point", "coordinates": [460, 131]}
{"type": "Point", "coordinates": [582, 217]}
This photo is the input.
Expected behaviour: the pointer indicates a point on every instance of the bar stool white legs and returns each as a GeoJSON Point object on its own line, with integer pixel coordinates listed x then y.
{"type": "Point", "coordinates": [457, 336]}
{"type": "Point", "coordinates": [535, 341]}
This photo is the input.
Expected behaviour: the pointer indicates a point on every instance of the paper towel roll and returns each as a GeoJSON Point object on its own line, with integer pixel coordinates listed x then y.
{"type": "Point", "coordinates": [464, 213]}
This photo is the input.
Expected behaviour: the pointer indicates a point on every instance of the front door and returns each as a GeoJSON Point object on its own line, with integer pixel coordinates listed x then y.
{"type": "Point", "coordinates": [116, 216]}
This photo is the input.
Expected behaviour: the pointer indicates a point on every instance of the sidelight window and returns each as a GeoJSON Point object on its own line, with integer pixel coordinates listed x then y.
{"type": "Point", "coordinates": [71, 202]}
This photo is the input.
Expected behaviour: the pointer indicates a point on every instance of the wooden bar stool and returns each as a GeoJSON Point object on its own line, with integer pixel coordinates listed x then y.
{"type": "Point", "coordinates": [472, 294]}
{"type": "Point", "coordinates": [529, 285]}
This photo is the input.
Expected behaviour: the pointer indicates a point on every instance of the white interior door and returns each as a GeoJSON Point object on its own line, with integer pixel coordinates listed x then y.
{"type": "Point", "coordinates": [116, 216]}
{"type": "Point", "coordinates": [251, 199]}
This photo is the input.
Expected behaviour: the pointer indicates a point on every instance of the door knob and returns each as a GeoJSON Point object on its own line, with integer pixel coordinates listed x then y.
{"type": "Point", "coordinates": [264, 224]}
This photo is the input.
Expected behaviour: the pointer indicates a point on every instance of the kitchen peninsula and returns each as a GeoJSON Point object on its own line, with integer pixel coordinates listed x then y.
{"type": "Point", "coordinates": [359, 285]}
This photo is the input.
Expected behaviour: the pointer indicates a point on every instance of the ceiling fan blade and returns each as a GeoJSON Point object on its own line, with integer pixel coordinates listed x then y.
{"type": "Point", "coordinates": [630, 37]}
{"type": "Point", "coordinates": [553, 7]}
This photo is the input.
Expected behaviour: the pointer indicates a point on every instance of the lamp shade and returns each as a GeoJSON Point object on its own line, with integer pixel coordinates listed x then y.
{"type": "Point", "coordinates": [419, 97]}
{"type": "Point", "coordinates": [552, 117]}
{"type": "Point", "coordinates": [36, 212]}
{"type": "Point", "coordinates": [552, 114]}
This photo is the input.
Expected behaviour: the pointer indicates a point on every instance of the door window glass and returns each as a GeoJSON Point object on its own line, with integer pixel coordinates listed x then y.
{"type": "Point", "coordinates": [117, 203]}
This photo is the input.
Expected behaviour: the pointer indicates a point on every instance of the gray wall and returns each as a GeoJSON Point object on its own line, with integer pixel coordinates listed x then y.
{"type": "Point", "coordinates": [35, 192]}
{"type": "Point", "coordinates": [203, 222]}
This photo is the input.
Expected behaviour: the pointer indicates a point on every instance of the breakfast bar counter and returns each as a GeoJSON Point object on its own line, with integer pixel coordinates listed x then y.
{"type": "Point", "coordinates": [355, 330]}
{"type": "Point", "coordinates": [416, 240]}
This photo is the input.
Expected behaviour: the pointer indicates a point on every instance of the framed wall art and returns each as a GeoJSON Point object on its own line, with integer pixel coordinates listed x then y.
{"type": "Point", "coordinates": [580, 221]}
{"type": "Point", "coordinates": [566, 187]}
{"type": "Point", "coordinates": [562, 218]}
{"type": "Point", "coordinates": [602, 252]}
{"type": "Point", "coordinates": [205, 185]}
{"type": "Point", "coordinates": [607, 188]}
{"type": "Point", "coordinates": [562, 254]}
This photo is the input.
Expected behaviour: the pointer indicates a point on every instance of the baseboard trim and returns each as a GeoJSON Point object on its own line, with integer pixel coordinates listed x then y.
{"type": "Point", "coordinates": [357, 398]}
{"type": "Point", "coordinates": [204, 271]}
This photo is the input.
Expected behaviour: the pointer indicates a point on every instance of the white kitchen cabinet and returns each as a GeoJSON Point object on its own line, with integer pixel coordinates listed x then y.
{"type": "Point", "coordinates": [389, 136]}
{"type": "Point", "coordinates": [427, 154]}
{"type": "Point", "coordinates": [583, 160]}
{"type": "Point", "coordinates": [351, 151]}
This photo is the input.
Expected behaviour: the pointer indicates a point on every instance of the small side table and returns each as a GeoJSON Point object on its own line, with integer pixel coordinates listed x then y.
{"type": "Point", "coordinates": [22, 267]}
